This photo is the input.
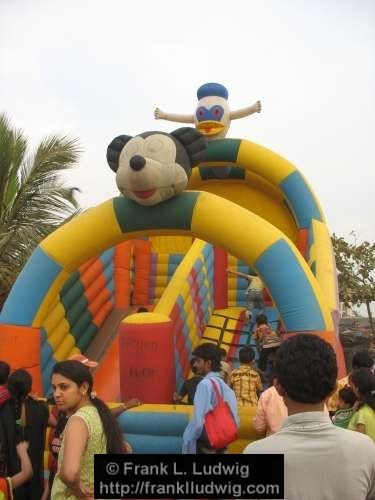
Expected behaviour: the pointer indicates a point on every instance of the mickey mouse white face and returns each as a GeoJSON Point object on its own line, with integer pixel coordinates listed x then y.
{"type": "Point", "coordinates": [147, 170]}
{"type": "Point", "coordinates": [155, 166]}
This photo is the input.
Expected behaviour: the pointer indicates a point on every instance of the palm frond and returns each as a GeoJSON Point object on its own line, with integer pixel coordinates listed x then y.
{"type": "Point", "coordinates": [12, 151]}
{"type": "Point", "coordinates": [34, 201]}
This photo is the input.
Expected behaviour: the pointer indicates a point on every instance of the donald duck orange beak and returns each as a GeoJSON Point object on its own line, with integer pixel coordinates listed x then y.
{"type": "Point", "coordinates": [210, 127]}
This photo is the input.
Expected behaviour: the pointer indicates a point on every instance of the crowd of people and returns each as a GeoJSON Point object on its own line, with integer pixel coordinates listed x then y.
{"type": "Point", "coordinates": [321, 460]}
{"type": "Point", "coordinates": [324, 427]}
{"type": "Point", "coordinates": [299, 405]}
{"type": "Point", "coordinates": [82, 425]}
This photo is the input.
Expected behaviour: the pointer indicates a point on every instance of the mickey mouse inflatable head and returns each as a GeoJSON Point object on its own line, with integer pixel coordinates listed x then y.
{"type": "Point", "coordinates": [155, 166]}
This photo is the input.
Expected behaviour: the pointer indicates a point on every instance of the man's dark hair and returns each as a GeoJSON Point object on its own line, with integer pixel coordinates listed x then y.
{"type": "Point", "coordinates": [362, 359]}
{"type": "Point", "coordinates": [347, 395]}
{"type": "Point", "coordinates": [306, 368]}
{"type": "Point", "coordinates": [246, 354]}
{"type": "Point", "coordinates": [193, 369]}
{"type": "Point", "coordinates": [142, 309]}
{"type": "Point", "coordinates": [209, 352]}
{"type": "Point", "coordinates": [4, 372]}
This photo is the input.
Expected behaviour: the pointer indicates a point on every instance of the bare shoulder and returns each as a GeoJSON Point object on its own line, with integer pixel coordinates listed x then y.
{"type": "Point", "coordinates": [76, 422]}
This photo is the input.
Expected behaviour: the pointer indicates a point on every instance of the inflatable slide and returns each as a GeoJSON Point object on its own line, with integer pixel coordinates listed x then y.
{"type": "Point", "coordinates": [245, 209]}
{"type": "Point", "coordinates": [166, 244]}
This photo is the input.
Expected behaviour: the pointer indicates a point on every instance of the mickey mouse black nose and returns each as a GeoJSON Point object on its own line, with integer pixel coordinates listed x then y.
{"type": "Point", "coordinates": [137, 162]}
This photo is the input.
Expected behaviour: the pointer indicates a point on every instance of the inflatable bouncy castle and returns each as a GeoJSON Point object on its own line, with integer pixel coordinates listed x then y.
{"type": "Point", "coordinates": [190, 209]}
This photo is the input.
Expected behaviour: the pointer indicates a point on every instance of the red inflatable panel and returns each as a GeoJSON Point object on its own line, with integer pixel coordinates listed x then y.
{"type": "Point", "coordinates": [220, 278]}
{"type": "Point", "coordinates": [121, 273]}
{"type": "Point", "coordinates": [20, 347]}
{"type": "Point", "coordinates": [147, 369]}
{"type": "Point", "coordinates": [142, 260]}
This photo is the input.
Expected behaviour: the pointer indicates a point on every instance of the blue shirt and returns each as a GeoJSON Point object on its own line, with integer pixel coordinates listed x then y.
{"type": "Point", "coordinates": [204, 401]}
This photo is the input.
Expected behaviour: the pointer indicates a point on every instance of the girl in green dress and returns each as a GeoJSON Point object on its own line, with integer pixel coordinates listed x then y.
{"type": "Point", "coordinates": [362, 382]}
{"type": "Point", "coordinates": [91, 429]}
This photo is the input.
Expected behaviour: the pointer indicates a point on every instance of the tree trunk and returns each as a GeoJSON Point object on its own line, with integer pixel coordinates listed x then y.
{"type": "Point", "coordinates": [370, 316]}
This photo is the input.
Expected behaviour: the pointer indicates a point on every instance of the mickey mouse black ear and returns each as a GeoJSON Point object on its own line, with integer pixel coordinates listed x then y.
{"type": "Point", "coordinates": [194, 143]}
{"type": "Point", "coordinates": [114, 150]}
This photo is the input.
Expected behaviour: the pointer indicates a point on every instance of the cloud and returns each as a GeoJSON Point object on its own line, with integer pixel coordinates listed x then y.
{"type": "Point", "coordinates": [94, 69]}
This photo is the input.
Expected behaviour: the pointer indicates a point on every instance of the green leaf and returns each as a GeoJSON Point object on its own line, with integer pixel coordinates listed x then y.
{"type": "Point", "coordinates": [34, 200]}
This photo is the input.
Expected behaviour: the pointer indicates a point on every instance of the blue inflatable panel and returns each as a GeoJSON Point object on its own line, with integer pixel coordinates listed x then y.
{"type": "Point", "coordinates": [301, 199]}
{"type": "Point", "coordinates": [155, 424]}
{"type": "Point", "coordinates": [144, 445]}
{"type": "Point", "coordinates": [37, 275]}
{"type": "Point", "coordinates": [290, 288]}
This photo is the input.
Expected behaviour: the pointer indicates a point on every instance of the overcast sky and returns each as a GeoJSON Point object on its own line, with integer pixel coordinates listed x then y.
{"type": "Point", "coordinates": [95, 69]}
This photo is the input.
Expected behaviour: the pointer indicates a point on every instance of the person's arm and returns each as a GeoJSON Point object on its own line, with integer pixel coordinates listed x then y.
{"type": "Point", "coordinates": [46, 492]}
{"type": "Point", "coordinates": [183, 392]}
{"type": "Point", "coordinates": [260, 420]}
{"type": "Point", "coordinates": [259, 386]}
{"type": "Point", "coordinates": [258, 335]}
{"type": "Point", "coordinates": [26, 468]}
{"type": "Point", "coordinates": [128, 450]}
{"type": "Point", "coordinates": [360, 422]}
{"type": "Point", "coordinates": [179, 396]}
{"type": "Point", "coordinates": [239, 273]}
{"type": "Point", "coordinates": [172, 117]}
{"type": "Point", "coordinates": [52, 420]}
{"type": "Point", "coordinates": [202, 401]}
{"type": "Point", "coordinates": [249, 110]}
{"type": "Point", "coordinates": [132, 403]}
{"type": "Point", "coordinates": [76, 437]}
{"type": "Point", "coordinates": [361, 428]}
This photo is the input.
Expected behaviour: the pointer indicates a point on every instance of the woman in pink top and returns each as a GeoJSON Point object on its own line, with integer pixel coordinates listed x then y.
{"type": "Point", "coordinates": [271, 412]}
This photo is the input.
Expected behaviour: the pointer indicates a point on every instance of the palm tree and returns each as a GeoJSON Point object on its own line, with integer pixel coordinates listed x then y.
{"type": "Point", "coordinates": [34, 200]}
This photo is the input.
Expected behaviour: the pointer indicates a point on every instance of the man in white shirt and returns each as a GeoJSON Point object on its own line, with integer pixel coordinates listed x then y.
{"type": "Point", "coordinates": [322, 461]}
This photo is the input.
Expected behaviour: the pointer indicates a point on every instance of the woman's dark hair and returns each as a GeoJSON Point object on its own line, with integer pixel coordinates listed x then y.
{"type": "Point", "coordinates": [79, 373]}
{"type": "Point", "coordinates": [306, 368]}
{"type": "Point", "coordinates": [19, 385]}
{"type": "Point", "coordinates": [364, 380]}
{"type": "Point", "coordinates": [347, 395]}
{"type": "Point", "coordinates": [209, 352]}
{"type": "Point", "coordinates": [362, 359]}
{"type": "Point", "coordinates": [4, 372]}
{"type": "Point", "coordinates": [261, 319]}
